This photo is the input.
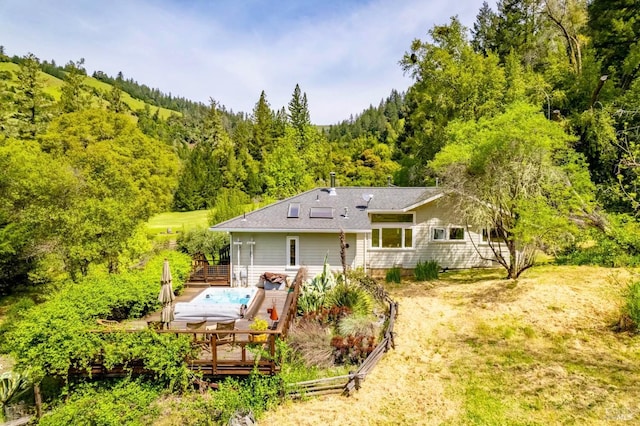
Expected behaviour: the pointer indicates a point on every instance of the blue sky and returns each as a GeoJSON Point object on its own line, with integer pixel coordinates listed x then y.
{"type": "Point", "coordinates": [344, 54]}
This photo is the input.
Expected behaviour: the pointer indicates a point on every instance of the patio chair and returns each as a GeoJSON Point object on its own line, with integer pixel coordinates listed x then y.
{"type": "Point", "coordinates": [223, 338]}
{"type": "Point", "coordinates": [196, 327]}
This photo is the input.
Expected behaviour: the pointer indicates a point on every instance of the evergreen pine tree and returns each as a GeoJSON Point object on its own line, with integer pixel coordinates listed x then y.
{"type": "Point", "coordinates": [32, 103]}
{"type": "Point", "coordinates": [483, 32]}
{"type": "Point", "coordinates": [74, 96]}
{"type": "Point", "coordinates": [298, 111]}
{"type": "Point", "coordinates": [262, 128]}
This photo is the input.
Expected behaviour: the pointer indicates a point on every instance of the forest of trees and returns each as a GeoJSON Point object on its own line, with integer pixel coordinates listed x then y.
{"type": "Point", "coordinates": [574, 63]}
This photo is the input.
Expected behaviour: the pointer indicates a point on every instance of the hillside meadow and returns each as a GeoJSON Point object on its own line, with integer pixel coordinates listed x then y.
{"type": "Point", "coordinates": [53, 87]}
{"type": "Point", "coordinates": [177, 222]}
{"type": "Point", "coordinates": [473, 348]}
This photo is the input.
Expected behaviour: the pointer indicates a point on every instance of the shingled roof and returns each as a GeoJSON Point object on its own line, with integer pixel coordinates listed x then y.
{"type": "Point", "coordinates": [318, 211]}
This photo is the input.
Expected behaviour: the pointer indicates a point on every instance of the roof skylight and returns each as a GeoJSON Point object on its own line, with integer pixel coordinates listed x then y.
{"type": "Point", "coordinates": [294, 210]}
{"type": "Point", "coordinates": [321, 212]}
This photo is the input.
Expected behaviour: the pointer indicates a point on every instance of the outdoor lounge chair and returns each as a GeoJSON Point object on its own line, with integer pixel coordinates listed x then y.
{"type": "Point", "coordinates": [223, 338]}
{"type": "Point", "coordinates": [195, 325]}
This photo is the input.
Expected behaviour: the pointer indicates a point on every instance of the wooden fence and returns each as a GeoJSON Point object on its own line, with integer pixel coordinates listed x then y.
{"type": "Point", "coordinates": [348, 383]}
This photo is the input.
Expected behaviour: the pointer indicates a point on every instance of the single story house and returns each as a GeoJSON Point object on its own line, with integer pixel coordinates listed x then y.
{"type": "Point", "coordinates": [384, 227]}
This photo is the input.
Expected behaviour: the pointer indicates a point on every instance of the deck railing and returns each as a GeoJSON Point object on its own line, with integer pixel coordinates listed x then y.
{"type": "Point", "coordinates": [202, 271]}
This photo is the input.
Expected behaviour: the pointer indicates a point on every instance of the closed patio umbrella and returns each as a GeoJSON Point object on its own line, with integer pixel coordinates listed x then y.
{"type": "Point", "coordinates": [166, 295]}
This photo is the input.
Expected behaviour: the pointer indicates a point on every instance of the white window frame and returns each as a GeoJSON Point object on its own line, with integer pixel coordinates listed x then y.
{"type": "Point", "coordinates": [439, 228]}
{"type": "Point", "coordinates": [402, 226]}
{"type": "Point", "coordinates": [446, 234]}
{"type": "Point", "coordinates": [288, 264]}
{"type": "Point", "coordinates": [464, 233]}
{"type": "Point", "coordinates": [485, 240]}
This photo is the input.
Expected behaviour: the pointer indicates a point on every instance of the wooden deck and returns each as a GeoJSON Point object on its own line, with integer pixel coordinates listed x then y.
{"type": "Point", "coordinates": [238, 357]}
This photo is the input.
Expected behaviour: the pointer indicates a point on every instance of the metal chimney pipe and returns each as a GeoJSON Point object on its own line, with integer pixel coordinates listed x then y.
{"type": "Point", "coordinates": [332, 190]}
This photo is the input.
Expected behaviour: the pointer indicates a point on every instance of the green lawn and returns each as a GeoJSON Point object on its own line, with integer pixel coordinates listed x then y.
{"type": "Point", "coordinates": [178, 222]}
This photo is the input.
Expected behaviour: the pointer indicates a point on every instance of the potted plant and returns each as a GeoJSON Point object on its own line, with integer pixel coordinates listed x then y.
{"type": "Point", "coordinates": [258, 324]}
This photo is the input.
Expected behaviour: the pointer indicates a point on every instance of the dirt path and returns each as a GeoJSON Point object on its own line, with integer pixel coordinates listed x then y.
{"type": "Point", "coordinates": [475, 349]}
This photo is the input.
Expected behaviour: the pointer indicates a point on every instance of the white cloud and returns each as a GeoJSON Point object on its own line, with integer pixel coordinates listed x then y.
{"type": "Point", "coordinates": [344, 56]}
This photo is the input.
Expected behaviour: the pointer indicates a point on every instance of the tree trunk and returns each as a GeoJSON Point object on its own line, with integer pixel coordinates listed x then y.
{"type": "Point", "coordinates": [38, 399]}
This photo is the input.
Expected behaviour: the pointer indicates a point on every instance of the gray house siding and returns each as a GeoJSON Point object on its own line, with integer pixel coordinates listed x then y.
{"type": "Point", "coordinates": [449, 253]}
{"type": "Point", "coordinates": [270, 254]}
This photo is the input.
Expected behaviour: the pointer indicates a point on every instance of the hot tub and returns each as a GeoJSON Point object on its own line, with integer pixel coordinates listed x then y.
{"type": "Point", "coordinates": [217, 304]}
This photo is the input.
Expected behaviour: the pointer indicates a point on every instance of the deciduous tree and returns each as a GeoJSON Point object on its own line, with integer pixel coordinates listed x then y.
{"type": "Point", "coordinates": [515, 174]}
{"type": "Point", "coordinates": [124, 178]}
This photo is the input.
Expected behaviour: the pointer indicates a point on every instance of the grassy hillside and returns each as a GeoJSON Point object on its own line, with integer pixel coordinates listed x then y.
{"type": "Point", "coordinates": [178, 222]}
{"type": "Point", "coordinates": [52, 86]}
{"type": "Point", "coordinates": [474, 349]}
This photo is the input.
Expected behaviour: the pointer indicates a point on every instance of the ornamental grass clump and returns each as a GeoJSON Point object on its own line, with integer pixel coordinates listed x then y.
{"type": "Point", "coordinates": [312, 341]}
{"type": "Point", "coordinates": [394, 275]}
{"type": "Point", "coordinates": [427, 271]}
{"type": "Point", "coordinates": [351, 296]}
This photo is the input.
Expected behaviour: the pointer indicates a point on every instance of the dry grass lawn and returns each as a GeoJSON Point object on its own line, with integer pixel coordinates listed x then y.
{"type": "Point", "coordinates": [472, 348]}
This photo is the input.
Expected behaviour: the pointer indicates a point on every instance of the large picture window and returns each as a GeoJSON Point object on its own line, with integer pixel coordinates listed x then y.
{"type": "Point", "coordinates": [393, 231]}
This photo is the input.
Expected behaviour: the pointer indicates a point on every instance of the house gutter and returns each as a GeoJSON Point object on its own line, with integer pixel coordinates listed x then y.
{"type": "Point", "coordinates": [289, 230]}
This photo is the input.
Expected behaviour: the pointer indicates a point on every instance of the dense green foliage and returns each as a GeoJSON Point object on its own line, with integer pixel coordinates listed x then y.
{"type": "Point", "coordinates": [79, 194]}
{"type": "Point", "coordinates": [51, 337]}
{"type": "Point", "coordinates": [351, 296]}
{"type": "Point", "coordinates": [534, 114]}
{"type": "Point", "coordinates": [201, 241]}
{"type": "Point", "coordinates": [617, 246]}
{"type": "Point", "coordinates": [122, 403]}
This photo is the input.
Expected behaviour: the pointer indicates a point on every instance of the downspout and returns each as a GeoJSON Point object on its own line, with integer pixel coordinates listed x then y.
{"type": "Point", "coordinates": [366, 243]}
{"type": "Point", "coordinates": [231, 262]}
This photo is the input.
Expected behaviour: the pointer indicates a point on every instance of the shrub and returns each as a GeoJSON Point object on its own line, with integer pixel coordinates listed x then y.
{"type": "Point", "coordinates": [51, 337]}
{"type": "Point", "coordinates": [12, 385]}
{"type": "Point", "coordinates": [352, 349]}
{"type": "Point", "coordinates": [358, 325]}
{"type": "Point", "coordinates": [618, 246]}
{"type": "Point", "coordinates": [632, 306]}
{"type": "Point", "coordinates": [162, 354]}
{"type": "Point", "coordinates": [394, 275]}
{"type": "Point", "coordinates": [427, 271]}
{"type": "Point", "coordinates": [123, 403]}
{"type": "Point", "coordinates": [293, 368]}
{"type": "Point", "coordinates": [350, 296]}
{"type": "Point", "coordinates": [371, 285]}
